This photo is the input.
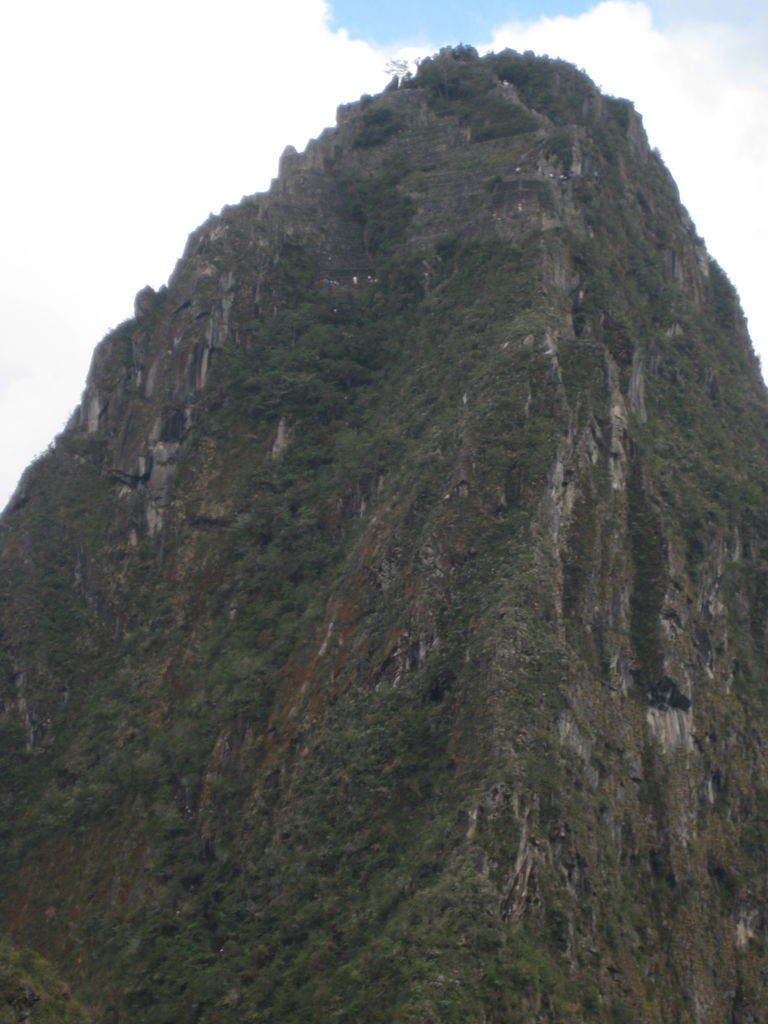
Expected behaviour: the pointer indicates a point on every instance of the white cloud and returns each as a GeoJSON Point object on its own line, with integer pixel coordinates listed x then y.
{"type": "Point", "coordinates": [703, 95]}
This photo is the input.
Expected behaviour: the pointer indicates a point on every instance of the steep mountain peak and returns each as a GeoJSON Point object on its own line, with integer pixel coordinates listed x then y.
{"type": "Point", "coordinates": [500, 149]}
{"type": "Point", "coordinates": [389, 622]}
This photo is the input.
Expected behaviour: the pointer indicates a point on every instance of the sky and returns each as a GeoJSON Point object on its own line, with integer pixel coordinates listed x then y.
{"type": "Point", "coordinates": [125, 124]}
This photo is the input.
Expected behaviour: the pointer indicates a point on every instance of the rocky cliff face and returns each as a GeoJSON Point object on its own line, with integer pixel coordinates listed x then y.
{"type": "Point", "coordinates": [385, 637]}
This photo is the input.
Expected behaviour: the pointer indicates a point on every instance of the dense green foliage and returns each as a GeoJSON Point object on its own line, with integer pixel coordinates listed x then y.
{"type": "Point", "coordinates": [378, 125]}
{"type": "Point", "coordinates": [459, 84]}
{"type": "Point", "coordinates": [31, 990]}
{"type": "Point", "coordinates": [438, 694]}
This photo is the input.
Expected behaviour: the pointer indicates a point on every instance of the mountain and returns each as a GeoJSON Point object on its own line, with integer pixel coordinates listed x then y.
{"type": "Point", "coordinates": [384, 638]}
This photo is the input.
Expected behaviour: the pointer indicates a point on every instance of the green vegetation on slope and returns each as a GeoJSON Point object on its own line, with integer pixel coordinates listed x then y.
{"type": "Point", "coordinates": [365, 731]}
